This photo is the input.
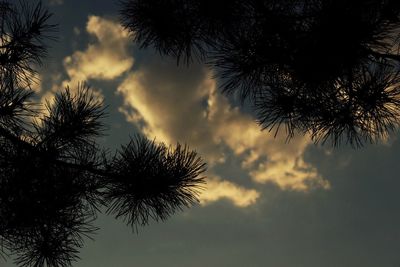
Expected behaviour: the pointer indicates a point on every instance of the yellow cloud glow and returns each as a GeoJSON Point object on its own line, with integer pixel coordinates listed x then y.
{"type": "Point", "coordinates": [104, 59]}
{"type": "Point", "coordinates": [281, 162]}
{"type": "Point", "coordinates": [203, 118]}
{"type": "Point", "coordinates": [218, 189]}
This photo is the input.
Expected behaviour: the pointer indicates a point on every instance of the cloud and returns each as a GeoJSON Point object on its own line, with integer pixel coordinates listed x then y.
{"type": "Point", "coordinates": [219, 189]}
{"type": "Point", "coordinates": [106, 57]}
{"type": "Point", "coordinates": [266, 157]}
{"type": "Point", "coordinates": [184, 105]}
{"type": "Point", "coordinates": [170, 108]}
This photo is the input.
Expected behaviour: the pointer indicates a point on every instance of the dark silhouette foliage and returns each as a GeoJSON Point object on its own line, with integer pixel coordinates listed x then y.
{"type": "Point", "coordinates": [54, 177]}
{"type": "Point", "coordinates": [324, 67]}
{"type": "Point", "coordinates": [152, 181]}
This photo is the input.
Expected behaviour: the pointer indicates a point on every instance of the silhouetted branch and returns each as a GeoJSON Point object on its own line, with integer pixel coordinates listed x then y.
{"type": "Point", "coordinates": [73, 119]}
{"type": "Point", "coordinates": [381, 56]}
{"type": "Point", "coordinates": [297, 61]}
{"type": "Point", "coordinates": [54, 176]}
{"type": "Point", "coordinates": [168, 32]}
{"type": "Point", "coordinates": [66, 175]}
{"type": "Point", "coordinates": [149, 180]}
{"type": "Point", "coordinates": [15, 107]}
{"type": "Point", "coordinates": [24, 31]}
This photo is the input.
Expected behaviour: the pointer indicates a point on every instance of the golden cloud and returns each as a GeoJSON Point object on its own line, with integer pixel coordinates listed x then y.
{"type": "Point", "coordinates": [281, 163]}
{"type": "Point", "coordinates": [221, 189]}
{"type": "Point", "coordinates": [170, 111]}
{"type": "Point", "coordinates": [106, 58]}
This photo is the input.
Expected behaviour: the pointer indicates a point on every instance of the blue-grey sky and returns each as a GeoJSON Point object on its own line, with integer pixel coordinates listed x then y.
{"type": "Point", "coordinates": [267, 202]}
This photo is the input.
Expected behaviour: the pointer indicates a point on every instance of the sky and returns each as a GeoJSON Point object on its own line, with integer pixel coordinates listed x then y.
{"type": "Point", "coordinates": [267, 202]}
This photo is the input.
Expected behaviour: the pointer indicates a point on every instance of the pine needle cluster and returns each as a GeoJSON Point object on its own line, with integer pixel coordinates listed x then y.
{"type": "Point", "coordinates": [54, 176]}
{"type": "Point", "coordinates": [305, 65]}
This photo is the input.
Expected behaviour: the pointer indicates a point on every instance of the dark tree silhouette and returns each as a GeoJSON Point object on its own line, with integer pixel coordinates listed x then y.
{"type": "Point", "coordinates": [324, 67]}
{"type": "Point", "coordinates": [54, 177]}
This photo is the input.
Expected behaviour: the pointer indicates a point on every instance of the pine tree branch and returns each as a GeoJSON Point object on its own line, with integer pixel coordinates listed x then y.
{"type": "Point", "coordinates": [378, 55]}
{"type": "Point", "coordinates": [26, 145]}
